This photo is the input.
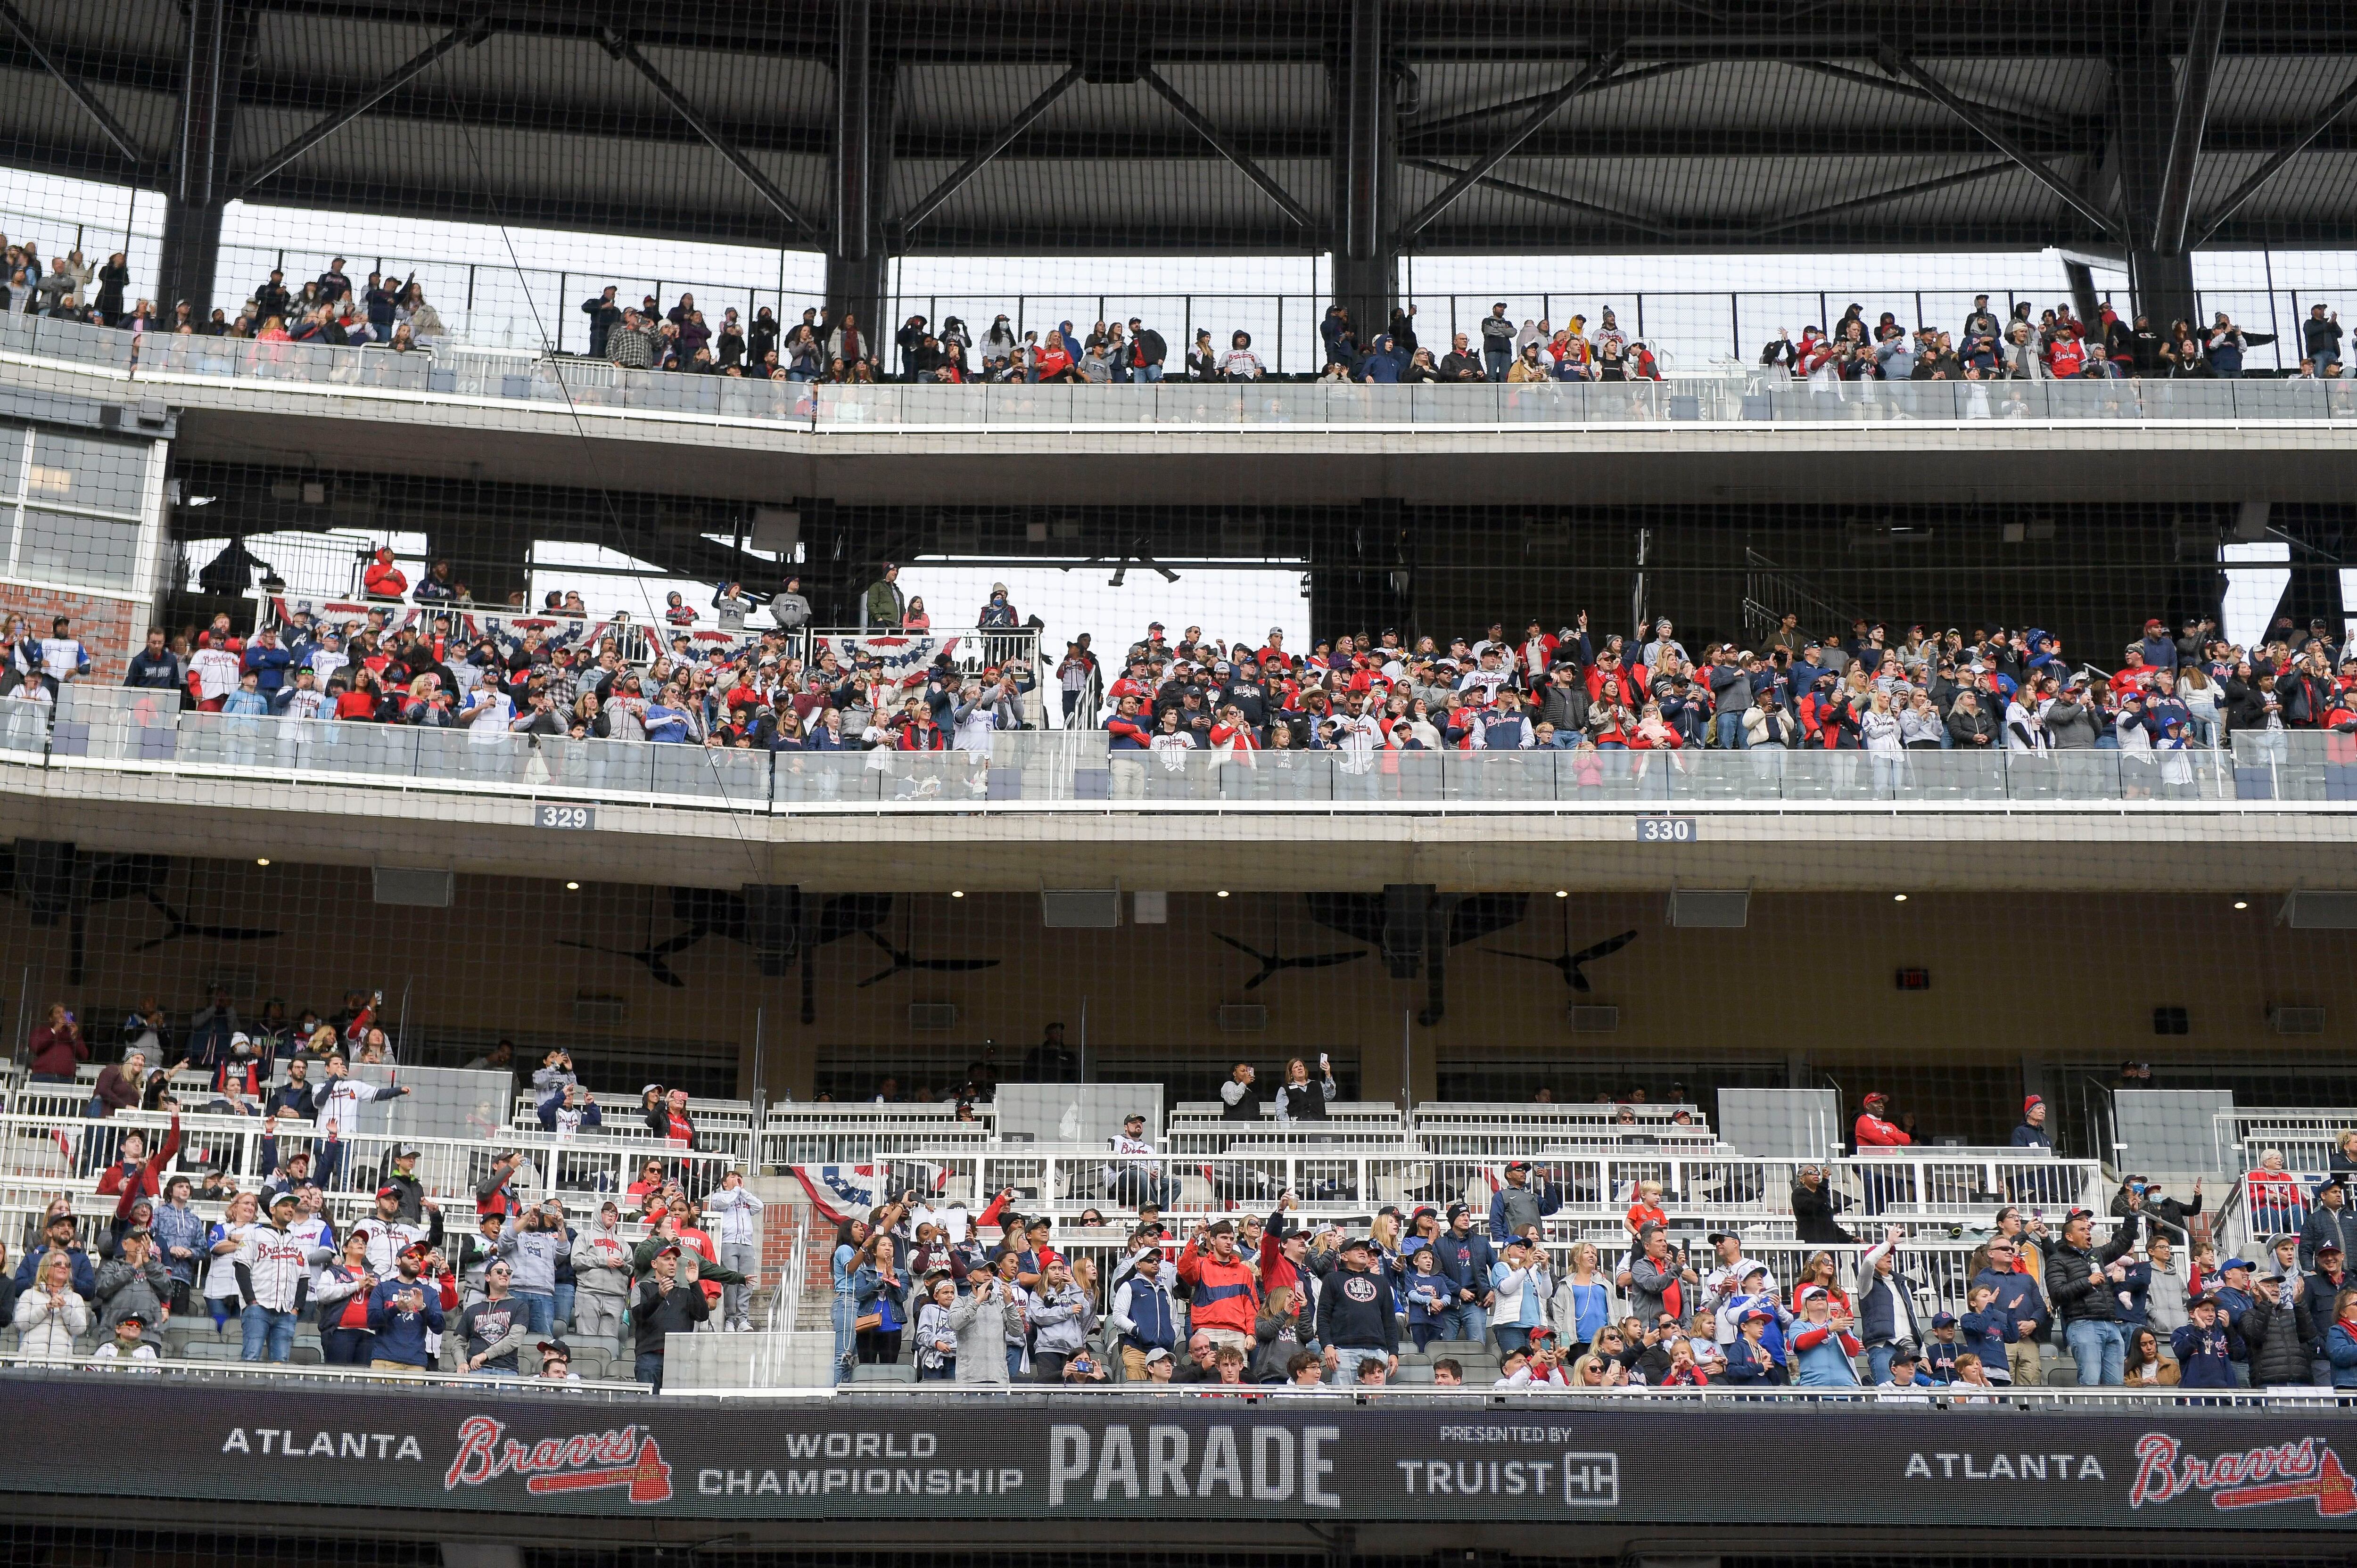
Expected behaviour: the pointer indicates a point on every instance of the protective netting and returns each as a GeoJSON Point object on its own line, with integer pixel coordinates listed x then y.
{"type": "Point", "coordinates": [1678, 589]}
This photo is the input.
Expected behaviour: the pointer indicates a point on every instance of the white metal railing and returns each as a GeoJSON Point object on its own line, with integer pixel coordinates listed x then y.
{"type": "Point", "coordinates": [1699, 1187]}
{"type": "Point", "coordinates": [636, 642]}
{"type": "Point", "coordinates": [315, 1377]}
{"type": "Point", "coordinates": [40, 1149]}
{"type": "Point", "coordinates": [2307, 1139]}
{"type": "Point", "coordinates": [805, 1135]}
{"type": "Point", "coordinates": [786, 1303]}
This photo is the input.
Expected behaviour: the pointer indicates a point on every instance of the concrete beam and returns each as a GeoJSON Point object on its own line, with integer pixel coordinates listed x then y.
{"type": "Point", "coordinates": [1019, 850]}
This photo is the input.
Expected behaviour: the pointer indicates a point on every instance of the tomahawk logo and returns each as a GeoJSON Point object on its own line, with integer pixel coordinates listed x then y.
{"type": "Point", "coordinates": [2306, 1471]}
{"type": "Point", "coordinates": [626, 1458]}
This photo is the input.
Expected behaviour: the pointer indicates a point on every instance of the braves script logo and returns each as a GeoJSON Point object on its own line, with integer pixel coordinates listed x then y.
{"type": "Point", "coordinates": [586, 1462]}
{"type": "Point", "coordinates": [2256, 1478]}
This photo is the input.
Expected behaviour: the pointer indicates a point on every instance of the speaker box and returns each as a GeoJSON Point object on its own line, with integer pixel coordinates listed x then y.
{"type": "Point", "coordinates": [773, 924]}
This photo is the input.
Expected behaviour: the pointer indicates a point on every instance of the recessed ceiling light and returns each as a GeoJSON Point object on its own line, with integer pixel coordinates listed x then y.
{"type": "Point", "coordinates": [1898, 897]}
{"type": "Point", "coordinates": [572, 887]}
{"type": "Point", "coordinates": [1563, 892]}
{"type": "Point", "coordinates": [261, 861]}
{"type": "Point", "coordinates": [957, 892]}
{"type": "Point", "coordinates": [1223, 892]}
{"type": "Point", "coordinates": [2242, 903]}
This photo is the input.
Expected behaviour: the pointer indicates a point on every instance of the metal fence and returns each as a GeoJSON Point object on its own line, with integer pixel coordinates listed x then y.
{"type": "Point", "coordinates": [146, 731]}
{"type": "Point", "coordinates": [1346, 1177]}
{"type": "Point", "coordinates": [1717, 396]}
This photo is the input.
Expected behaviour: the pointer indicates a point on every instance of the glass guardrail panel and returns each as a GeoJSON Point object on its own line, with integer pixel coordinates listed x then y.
{"type": "Point", "coordinates": [1029, 402]}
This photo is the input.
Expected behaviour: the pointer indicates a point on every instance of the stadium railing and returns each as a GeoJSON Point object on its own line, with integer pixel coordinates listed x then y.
{"type": "Point", "coordinates": [2306, 1139]}
{"type": "Point", "coordinates": [132, 731]}
{"type": "Point", "coordinates": [1347, 1178]}
{"type": "Point", "coordinates": [1503, 1130]}
{"type": "Point", "coordinates": [46, 1153]}
{"type": "Point", "coordinates": [1718, 396]}
{"type": "Point", "coordinates": [833, 1134]}
{"type": "Point", "coordinates": [472, 1386]}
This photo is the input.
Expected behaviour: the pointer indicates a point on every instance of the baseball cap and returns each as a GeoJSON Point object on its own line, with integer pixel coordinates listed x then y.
{"type": "Point", "coordinates": [1716, 1237]}
{"type": "Point", "coordinates": [2331, 1247]}
{"type": "Point", "coordinates": [1156, 1354]}
{"type": "Point", "coordinates": [1943, 1320]}
{"type": "Point", "coordinates": [1518, 1164]}
{"type": "Point", "coordinates": [388, 1192]}
{"type": "Point", "coordinates": [1759, 1314]}
{"type": "Point", "coordinates": [1355, 1244]}
{"type": "Point", "coordinates": [556, 1348]}
{"type": "Point", "coordinates": [281, 1196]}
{"type": "Point", "coordinates": [2230, 1264]}
{"type": "Point", "coordinates": [133, 1315]}
{"type": "Point", "coordinates": [1902, 1354]}
{"type": "Point", "coordinates": [1813, 1292]}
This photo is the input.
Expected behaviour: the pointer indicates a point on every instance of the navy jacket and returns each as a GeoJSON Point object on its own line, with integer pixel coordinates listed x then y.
{"type": "Point", "coordinates": [1466, 1260]}
{"type": "Point", "coordinates": [1355, 1312]}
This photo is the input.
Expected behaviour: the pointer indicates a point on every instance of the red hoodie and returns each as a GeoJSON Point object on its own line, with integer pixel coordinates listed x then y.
{"type": "Point", "coordinates": [146, 1179]}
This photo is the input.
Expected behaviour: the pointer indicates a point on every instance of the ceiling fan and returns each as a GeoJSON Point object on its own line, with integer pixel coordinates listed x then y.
{"type": "Point", "coordinates": [1272, 963]}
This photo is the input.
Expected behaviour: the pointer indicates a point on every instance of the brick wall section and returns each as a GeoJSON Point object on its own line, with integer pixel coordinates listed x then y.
{"type": "Point", "coordinates": [112, 630]}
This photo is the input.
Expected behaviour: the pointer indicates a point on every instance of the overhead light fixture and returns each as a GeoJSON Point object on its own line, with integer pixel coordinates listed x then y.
{"type": "Point", "coordinates": [572, 887]}
{"type": "Point", "coordinates": [2239, 903]}
{"type": "Point", "coordinates": [1898, 897]}
{"type": "Point", "coordinates": [957, 892]}
{"type": "Point", "coordinates": [1563, 892]}
{"type": "Point", "coordinates": [1223, 892]}
{"type": "Point", "coordinates": [261, 861]}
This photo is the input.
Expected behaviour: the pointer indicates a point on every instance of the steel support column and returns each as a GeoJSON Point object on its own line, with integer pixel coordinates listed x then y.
{"type": "Point", "coordinates": [219, 33]}
{"type": "Point", "coordinates": [863, 141]}
{"type": "Point", "coordinates": [1365, 249]}
{"type": "Point", "coordinates": [2193, 117]}
{"type": "Point", "coordinates": [2144, 124]}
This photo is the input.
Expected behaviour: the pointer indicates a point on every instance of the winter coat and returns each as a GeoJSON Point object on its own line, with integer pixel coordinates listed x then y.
{"type": "Point", "coordinates": [2077, 1297]}
{"type": "Point", "coordinates": [983, 1330]}
{"type": "Point", "coordinates": [2341, 1349]}
{"type": "Point", "coordinates": [46, 1334]}
{"type": "Point", "coordinates": [1813, 1218]}
{"type": "Point", "coordinates": [2276, 1335]}
{"type": "Point", "coordinates": [122, 1290]}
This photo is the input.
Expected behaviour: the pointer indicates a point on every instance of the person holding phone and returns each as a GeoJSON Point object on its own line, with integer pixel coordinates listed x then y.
{"type": "Point", "coordinates": [1300, 1099]}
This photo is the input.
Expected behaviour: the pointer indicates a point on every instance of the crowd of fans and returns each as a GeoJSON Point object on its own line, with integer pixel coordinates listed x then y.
{"type": "Point", "coordinates": [2053, 346]}
{"type": "Point", "coordinates": [386, 1286]}
{"type": "Point", "coordinates": [335, 308]}
{"type": "Point", "coordinates": [1984, 689]}
{"type": "Point", "coordinates": [989, 1297]}
{"type": "Point", "coordinates": [331, 309]}
{"type": "Point", "coordinates": [2056, 346]}
{"type": "Point", "coordinates": [1868, 689]}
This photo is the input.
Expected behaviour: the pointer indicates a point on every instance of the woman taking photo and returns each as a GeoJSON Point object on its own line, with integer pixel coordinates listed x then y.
{"type": "Point", "coordinates": [854, 1244]}
{"type": "Point", "coordinates": [883, 1300]}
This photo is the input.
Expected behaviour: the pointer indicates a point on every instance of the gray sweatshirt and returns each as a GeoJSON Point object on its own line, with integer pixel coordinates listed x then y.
{"type": "Point", "coordinates": [1062, 1320]}
{"type": "Point", "coordinates": [532, 1254]}
{"type": "Point", "coordinates": [601, 1260]}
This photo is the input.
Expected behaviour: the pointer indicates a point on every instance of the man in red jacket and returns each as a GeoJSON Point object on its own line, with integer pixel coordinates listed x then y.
{"type": "Point", "coordinates": [384, 580]}
{"type": "Point", "coordinates": [1875, 1130]}
{"type": "Point", "coordinates": [1225, 1297]}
